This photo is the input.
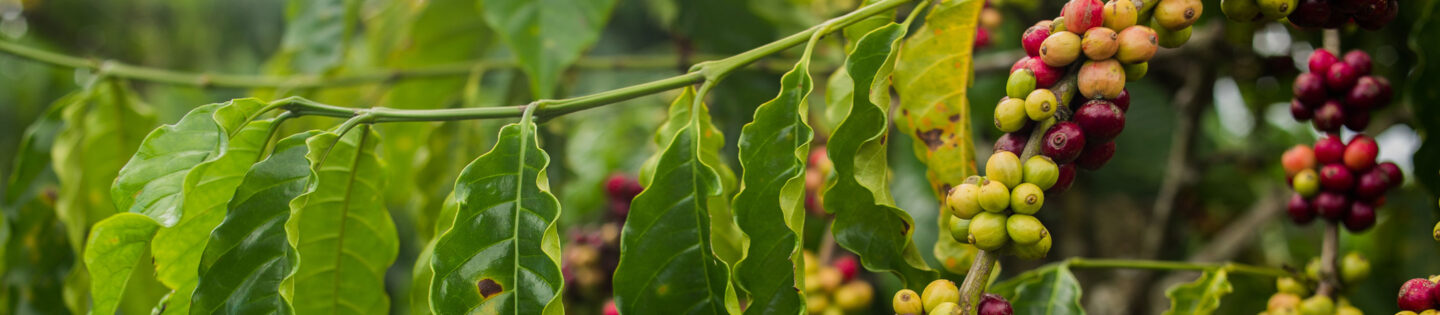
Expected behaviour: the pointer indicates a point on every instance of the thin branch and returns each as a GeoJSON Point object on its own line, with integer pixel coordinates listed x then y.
{"type": "Point", "coordinates": [1176, 265]}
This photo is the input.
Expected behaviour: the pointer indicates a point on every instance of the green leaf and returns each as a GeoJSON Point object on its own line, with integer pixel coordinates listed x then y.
{"type": "Point", "coordinates": [340, 229]}
{"type": "Point", "coordinates": [503, 255]}
{"type": "Point", "coordinates": [770, 206]}
{"type": "Point", "coordinates": [1422, 95]}
{"type": "Point", "coordinates": [866, 220]}
{"type": "Point", "coordinates": [115, 245]}
{"type": "Point", "coordinates": [667, 260]}
{"type": "Point", "coordinates": [421, 273]}
{"type": "Point", "coordinates": [1199, 297]}
{"type": "Point", "coordinates": [546, 36]}
{"type": "Point", "coordinates": [317, 33]}
{"type": "Point", "coordinates": [854, 32]}
{"type": "Point", "coordinates": [104, 122]}
{"type": "Point", "coordinates": [247, 255]}
{"type": "Point", "coordinates": [1049, 290]}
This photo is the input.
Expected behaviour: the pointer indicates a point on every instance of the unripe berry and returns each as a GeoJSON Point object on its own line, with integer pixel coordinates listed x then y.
{"type": "Point", "coordinates": [1360, 153]}
{"type": "Point", "coordinates": [1306, 183]}
{"type": "Point", "coordinates": [1291, 286]}
{"type": "Point", "coordinates": [994, 197]}
{"type": "Point", "coordinates": [1025, 229]}
{"type": "Point", "coordinates": [1063, 142]}
{"type": "Point", "coordinates": [964, 200]}
{"type": "Point", "coordinates": [1311, 13]}
{"type": "Point", "coordinates": [1041, 104]}
{"type": "Point", "coordinates": [1101, 120]}
{"type": "Point", "coordinates": [1354, 268]}
{"type": "Point", "coordinates": [1176, 38]}
{"type": "Point", "coordinates": [1020, 84]}
{"type": "Point", "coordinates": [1332, 205]}
{"type": "Point", "coordinates": [1061, 48]}
{"type": "Point", "coordinates": [1062, 182]}
{"type": "Point", "coordinates": [1100, 43]}
{"type": "Point", "coordinates": [938, 292]}
{"type": "Point", "coordinates": [1032, 251]}
{"type": "Point", "coordinates": [1318, 304]}
{"type": "Point", "coordinates": [1123, 101]}
{"type": "Point", "coordinates": [987, 231]}
{"type": "Point", "coordinates": [960, 230]}
{"type": "Point", "coordinates": [1013, 142]}
{"type": "Point", "coordinates": [906, 302]}
{"type": "Point", "coordinates": [1243, 11]}
{"type": "Point", "coordinates": [946, 308]}
{"type": "Point", "coordinates": [1033, 37]}
{"type": "Point", "coordinates": [1360, 217]}
{"type": "Point", "coordinates": [1300, 209]}
{"type": "Point", "coordinates": [1082, 15]}
{"type": "Point", "coordinates": [1329, 149]}
{"type": "Point", "coordinates": [830, 278]}
{"type": "Point", "coordinates": [1358, 60]}
{"type": "Point", "coordinates": [1321, 60]}
{"type": "Point", "coordinates": [1310, 88]}
{"type": "Point", "coordinates": [1284, 303]}
{"type": "Point", "coordinates": [1119, 14]}
{"type": "Point", "coordinates": [1004, 167]}
{"type": "Point", "coordinates": [1392, 173]}
{"type": "Point", "coordinates": [1300, 111]}
{"type": "Point", "coordinates": [854, 296]}
{"type": "Point", "coordinates": [1101, 79]}
{"type": "Point", "coordinates": [1341, 77]}
{"type": "Point", "coordinates": [1135, 72]}
{"type": "Point", "coordinates": [1138, 43]}
{"type": "Point", "coordinates": [1095, 155]}
{"type": "Point", "coordinates": [1027, 198]}
{"type": "Point", "coordinates": [1367, 94]}
{"type": "Point", "coordinates": [1329, 117]}
{"type": "Point", "coordinates": [1010, 114]}
{"type": "Point", "coordinates": [1178, 14]}
{"type": "Point", "coordinates": [1276, 8]}
{"type": "Point", "coordinates": [1416, 295]}
{"type": "Point", "coordinates": [992, 304]}
{"type": "Point", "coordinates": [1298, 157]}
{"type": "Point", "coordinates": [1335, 177]}
{"type": "Point", "coordinates": [1041, 171]}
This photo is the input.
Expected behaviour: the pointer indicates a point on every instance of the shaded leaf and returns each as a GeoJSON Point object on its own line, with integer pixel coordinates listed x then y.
{"type": "Point", "coordinates": [1422, 96]}
{"type": "Point", "coordinates": [1199, 297]}
{"type": "Point", "coordinates": [667, 261]}
{"type": "Point", "coordinates": [37, 254]}
{"type": "Point", "coordinates": [115, 246]}
{"type": "Point", "coordinates": [546, 36]}
{"type": "Point", "coordinates": [422, 274]}
{"type": "Point", "coordinates": [340, 229]}
{"type": "Point", "coordinates": [247, 255]}
{"type": "Point", "coordinates": [866, 220]}
{"type": "Point", "coordinates": [317, 33]}
{"type": "Point", "coordinates": [104, 122]}
{"type": "Point", "coordinates": [1047, 290]}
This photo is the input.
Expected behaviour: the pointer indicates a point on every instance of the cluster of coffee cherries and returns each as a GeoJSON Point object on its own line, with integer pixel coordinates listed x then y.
{"type": "Point", "coordinates": [998, 210]}
{"type": "Point", "coordinates": [592, 253]}
{"type": "Point", "coordinates": [834, 289]}
{"type": "Point", "coordinates": [1288, 299]}
{"type": "Point", "coordinates": [1368, 14]}
{"type": "Point", "coordinates": [941, 297]}
{"type": "Point", "coordinates": [1348, 185]}
{"type": "Point", "coordinates": [1419, 296]}
{"type": "Point", "coordinates": [990, 20]}
{"type": "Point", "coordinates": [1339, 91]}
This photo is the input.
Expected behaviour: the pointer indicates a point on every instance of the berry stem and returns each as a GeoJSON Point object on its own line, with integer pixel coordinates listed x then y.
{"type": "Point", "coordinates": [1329, 279]}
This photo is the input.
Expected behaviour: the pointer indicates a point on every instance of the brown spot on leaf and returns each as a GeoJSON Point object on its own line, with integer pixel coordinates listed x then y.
{"type": "Point", "coordinates": [955, 118]}
{"type": "Point", "coordinates": [930, 137]}
{"type": "Point", "coordinates": [904, 227]}
{"type": "Point", "coordinates": [488, 288]}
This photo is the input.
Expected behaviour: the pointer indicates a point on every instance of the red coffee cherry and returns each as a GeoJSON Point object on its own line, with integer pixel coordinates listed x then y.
{"type": "Point", "coordinates": [1300, 209]}
{"type": "Point", "coordinates": [1063, 142]}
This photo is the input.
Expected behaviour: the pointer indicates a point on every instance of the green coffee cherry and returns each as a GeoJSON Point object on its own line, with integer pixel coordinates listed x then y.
{"type": "Point", "coordinates": [1032, 251]}
{"type": "Point", "coordinates": [1292, 286]}
{"type": "Point", "coordinates": [1057, 25]}
{"type": "Point", "coordinates": [964, 200]}
{"type": "Point", "coordinates": [994, 197]}
{"type": "Point", "coordinates": [1174, 39]}
{"type": "Point", "coordinates": [1025, 229]}
{"type": "Point", "coordinates": [1244, 11]}
{"type": "Point", "coordinates": [945, 309]}
{"type": "Point", "coordinates": [1306, 182]}
{"type": "Point", "coordinates": [987, 231]}
{"type": "Point", "coordinates": [1354, 268]}
{"type": "Point", "coordinates": [940, 292]}
{"type": "Point", "coordinates": [1027, 198]}
{"type": "Point", "coordinates": [1135, 71]}
{"type": "Point", "coordinates": [960, 229]}
{"type": "Point", "coordinates": [1348, 310]}
{"type": "Point", "coordinates": [1275, 9]}
{"type": "Point", "coordinates": [1004, 167]}
{"type": "Point", "coordinates": [1041, 104]}
{"type": "Point", "coordinates": [1317, 305]}
{"type": "Point", "coordinates": [1041, 171]}
{"type": "Point", "coordinates": [1119, 14]}
{"type": "Point", "coordinates": [1020, 84]}
{"type": "Point", "coordinates": [906, 302]}
{"type": "Point", "coordinates": [1010, 115]}
{"type": "Point", "coordinates": [1312, 269]}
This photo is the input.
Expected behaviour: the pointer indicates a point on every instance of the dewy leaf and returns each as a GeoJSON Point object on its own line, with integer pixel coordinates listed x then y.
{"type": "Point", "coordinates": [546, 36]}
{"type": "Point", "coordinates": [318, 33]}
{"type": "Point", "coordinates": [931, 76]}
{"type": "Point", "coordinates": [1199, 297]}
{"type": "Point", "coordinates": [667, 261]}
{"type": "Point", "coordinates": [866, 220]}
{"type": "Point", "coordinates": [340, 229]}
{"type": "Point", "coordinates": [769, 208]}
{"type": "Point", "coordinates": [115, 246]}
{"type": "Point", "coordinates": [1050, 290]}
{"type": "Point", "coordinates": [247, 256]}
{"type": "Point", "coordinates": [105, 122]}
{"type": "Point", "coordinates": [503, 253]}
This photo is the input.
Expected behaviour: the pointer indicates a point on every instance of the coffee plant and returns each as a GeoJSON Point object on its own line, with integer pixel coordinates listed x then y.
{"type": "Point", "coordinates": [509, 157]}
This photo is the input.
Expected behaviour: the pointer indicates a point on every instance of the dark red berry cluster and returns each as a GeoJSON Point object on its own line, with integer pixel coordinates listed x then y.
{"type": "Point", "coordinates": [592, 253]}
{"type": "Point", "coordinates": [1348, 185]}
{"type": "Point", "coordinates": [1086, 141]}
{"type": "Point", "coordinates": [1368, 14]}
{"type": "Point", "coordinates": [1419, 295]}
{"type": "Point", "coordinates": [1339, 92]}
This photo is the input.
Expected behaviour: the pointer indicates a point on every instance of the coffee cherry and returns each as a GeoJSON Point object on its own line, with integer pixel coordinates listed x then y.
{"type": "Point", "coordinates": [1243, 11]}
{"type": "Point", "coordinates": [1027, 198]}
{"type": "Point", "coordinates": [1082, 15]}
{"type": "Point", "coordinates": [1366, 94]}
{"type": "Point", "coordinates": [1135, 72]}
{"type": "Point", "coordinates": [1283, 303]}
{"type": "Point", "coordinates": [1300, 209]}
{"type": "Point", "coordinates": [1306, 183]}
{"type": "Point", "coordinates": [1357, 119]}
{"type": "Point", "coordinates": [1371, 185]}
{"type": "Point", "coordinates": [1123, 101]}
{"type": "Point", "coordinates": [960, 229]}
{"type": "Point", "coordinates": [1178, 14]}
{"type": "Point", "coordinates": [1101, 79]}
{"type": "Point", "coordinates": [1329, 149]}
{"type": "Point", "coordinates": [982, 36]}
{"type": "Point", "coordinates": [1416, 295]}
{"type": "Point", "coordinates": [1119, 14]}
{"type": "Point", "coordinates": [1061, 48]}
{"type": "Point", "coordinates": [1041, 171]}
{"type": "Point", "coordinates": [1045, 75]}
{"type": "Point", "coordinates": [906, 302]}
{"type": "Point", "coordinates": [1291, 286]}
{"type": "Point", "coordinates": [1032, 251]}
{"type": "Point", "coordinates": [992, 304]}
{"type": "Point", "coordinates": [1379, 17]}
{"type": "Point", "coordinates": [1176, 38]}
{"type": "Point", "coordinates": [1062, 182]}
{"type": "Point", "coordinates": [1041, 104]}
{"type": "Point", "coordinates": [1392, 173]}
{"type": "Point", "coordinates": [1298, 157]}
{"type": "Point", "coordinates": [1276, 9]}
{"type": "Point", "coordinates": [1360, 153]}
{"type": "Point", "coordinates": [1332, 205]}
{"type": "Point", "coordinates": [1300, 111]}
{"type": "Point", "coordinates": [1335, 177]}
{"type": "Point", "coordinates": [987, 231]}
{"type": "Point", "coordinates": [1096, 155]}
{"type": "Point", "coordinates": [1341, 77]}
{"type": "Point", "coordinates": [964, 200]}
{"type": "Point", "coordinates": [1004, 167]}
{"type": "Point", "coordinates": [1139, 43]}
{"type": "Point", "coordinates": [830, 278]}
{"type": "Point", "coordinates": [1100, 43]}
{"type": "Point", "coordinates": [1312, 268]}
{"type": "Point", "coordinates": [1310, 13]}
{"type": "Point", "coordinates": [1360, 217]}
{"type": "Point", "coordinates": [848, 267]}
{"type": "Point", "coordinates": [1354, 268]}
{"type": "Point", "coordinates": [1020, 84]}
{"type": "Point", "coordinates": [1359, 60]}
{"type": "Point", "coordinates": [994, 197]}
{"type": "Point", "coordinates": [1318, 304]}
{"type": "Point", "coordinates": [1310, 88]}
{"type": "Point", "coordinates": [1321, 60]}
{"type": "Point", "coordinates": [939, 292]}
{"type": "Point", "coordinates": [1344, 309]}
{"type": "Point", "coordinates": [1025, 229]}
{"type": "Point", "coordinates": [1033, 37]}
{"type": "Point", "coordinates": [1101, 120]}
{"type": "Point", "coordinates": [1013, 142]}
{"type": "Point", "coordinates": [812, 266]}
{"type": "Point", "coordinates": [1063, 143]}
{"type": "Point", "coordinates": [854, 296]}
{"type": "Point", "coordinates": [610, 309]}
{"type": "Point", "coordinates": [1010, 114]}
{"type": "Point", "coordinates": [1329, 117]}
